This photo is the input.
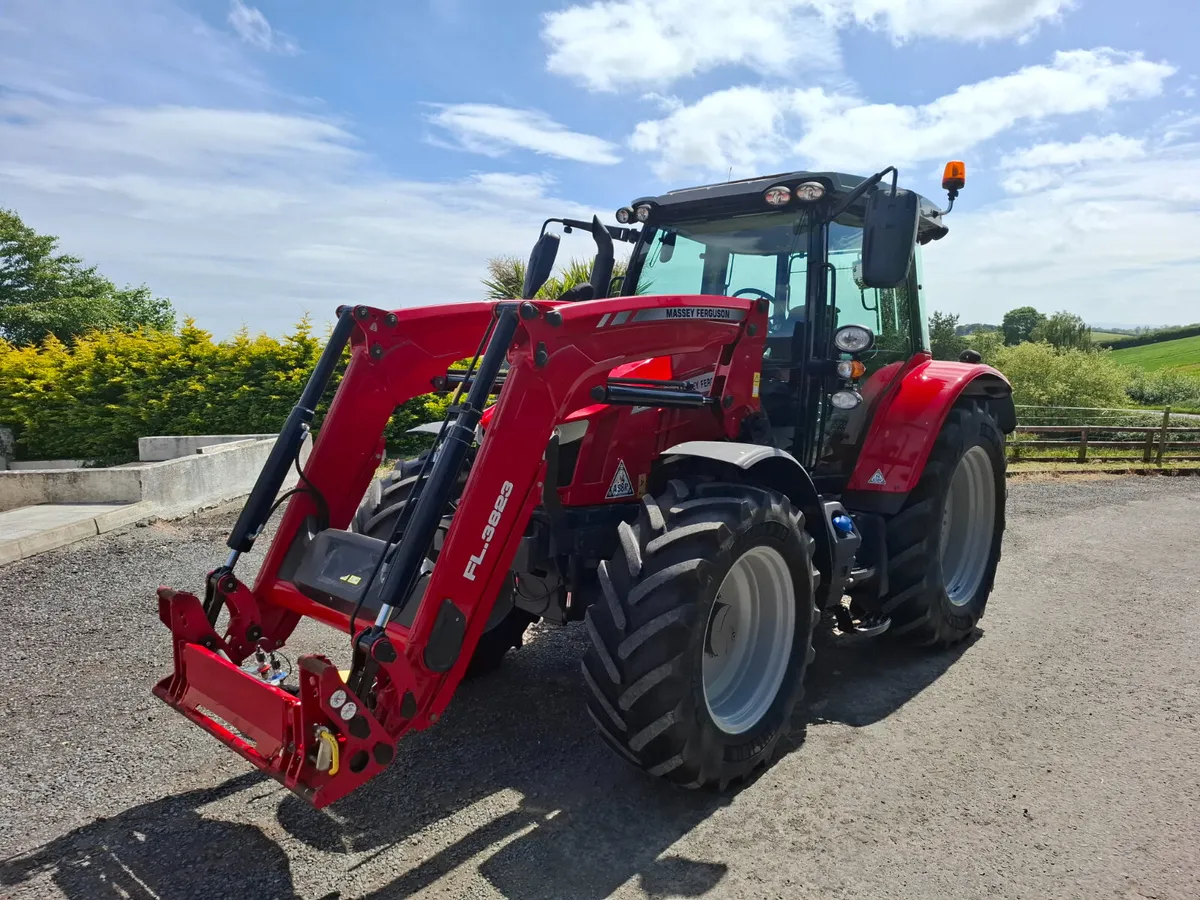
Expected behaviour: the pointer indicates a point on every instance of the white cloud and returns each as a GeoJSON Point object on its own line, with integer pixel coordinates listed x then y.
{"type": "Point", "coordinates": [966, 20]}
{"type": "Point", "coordinates": [756, 126]}
{"type": "Point", "coordinates": [742, 128]}
{"type": "Point", "coordinates": [611, 44]}
{"type": "Point", "coordinates": [1107, 242]}
{"type": "Point", "coordinates": [492, 130]}
{"type": "Point", "coordinates": [607, 45]}
{"type": "Point", "coordinates": [1089, 148]}
{"type": "Point", "coordinates": [1043, 165]}
{"type": "Point", "coordinates": [253, 28]}
{"type": "Point", "coordinates": [258, 217]}
{"type": "Point", "coordinates": [176, 136]}
{"type": "Point", "coordinates": [152, 53]}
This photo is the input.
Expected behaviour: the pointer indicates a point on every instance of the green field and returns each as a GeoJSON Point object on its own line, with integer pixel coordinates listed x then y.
{"type": "Point", "coordinates": [1107, 335]}
{"type": "Point", "coordinates": [1181, 353]}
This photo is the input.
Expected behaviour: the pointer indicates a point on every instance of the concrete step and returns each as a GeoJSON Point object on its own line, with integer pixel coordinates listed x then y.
{"type": "Point", "coordinates": [30, 530]}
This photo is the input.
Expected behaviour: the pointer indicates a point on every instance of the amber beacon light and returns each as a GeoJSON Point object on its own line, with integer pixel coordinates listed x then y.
{"type": "Point", "coordinates": [954, 177]}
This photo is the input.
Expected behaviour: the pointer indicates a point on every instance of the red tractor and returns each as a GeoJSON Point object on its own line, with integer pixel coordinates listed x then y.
{"type": "Point", "coordinates": [752, 435]}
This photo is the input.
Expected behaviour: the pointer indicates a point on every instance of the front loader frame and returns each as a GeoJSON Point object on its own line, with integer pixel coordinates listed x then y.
{"type": "Point", "coordinates": [333, 734]}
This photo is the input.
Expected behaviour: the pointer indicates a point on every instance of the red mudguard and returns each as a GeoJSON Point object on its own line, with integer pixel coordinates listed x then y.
{"type": "Point", "coordinates": [907, 421]}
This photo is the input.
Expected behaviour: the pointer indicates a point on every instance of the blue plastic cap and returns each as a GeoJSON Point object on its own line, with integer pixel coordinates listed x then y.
{"type": "Point", "coordinates": [843, 523]}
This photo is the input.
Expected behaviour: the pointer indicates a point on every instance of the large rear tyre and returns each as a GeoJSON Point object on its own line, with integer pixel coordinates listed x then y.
{"type": "Point", "coordinates": [944, 544]}
{"type": "Point", "coordinates": [382, 507]}
{"type": "Point", "coordinates": [701, 639]}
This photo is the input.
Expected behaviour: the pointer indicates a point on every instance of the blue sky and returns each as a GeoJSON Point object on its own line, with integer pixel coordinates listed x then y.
{"type": "Point", "coordinates": [257, 159]}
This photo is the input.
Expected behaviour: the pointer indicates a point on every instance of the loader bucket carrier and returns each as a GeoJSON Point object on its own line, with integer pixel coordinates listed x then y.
{"type": "Point", "coordinates": [752, 435]}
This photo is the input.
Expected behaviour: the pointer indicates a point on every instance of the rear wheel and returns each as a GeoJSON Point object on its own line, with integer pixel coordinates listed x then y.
{"type": "Point", "coordinates": [944, 545]}
{"type": "Point", "coordinates": [703, 633]}
{"type": "Point", "coordinates": [377, 516]}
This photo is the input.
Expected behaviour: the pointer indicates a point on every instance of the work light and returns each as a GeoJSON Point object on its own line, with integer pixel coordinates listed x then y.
{"type": "Point", "coordinates": [853, 338]}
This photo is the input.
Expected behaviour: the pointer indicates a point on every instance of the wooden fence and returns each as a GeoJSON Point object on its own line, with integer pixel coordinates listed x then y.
{"type": "Point", "coordinates": [1101, 434]}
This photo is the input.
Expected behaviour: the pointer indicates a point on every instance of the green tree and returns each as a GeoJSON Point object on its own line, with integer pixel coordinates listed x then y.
{"type": "Point", "coordinates": [1064, 330]}
{"type": "Point", "coordinates": [944, 340]}
{"type": "Point", "coordinates": [1018, 324]}
{"type": "Point", "coordinates": [43, 292]}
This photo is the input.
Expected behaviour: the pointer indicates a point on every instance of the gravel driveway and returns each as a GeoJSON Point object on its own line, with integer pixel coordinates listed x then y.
{"type": "Point", "coordinates": [1058, 755]}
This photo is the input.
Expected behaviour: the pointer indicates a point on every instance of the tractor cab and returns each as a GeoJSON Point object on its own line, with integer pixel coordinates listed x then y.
{"type": "Point", "coordinates": [841, 328]}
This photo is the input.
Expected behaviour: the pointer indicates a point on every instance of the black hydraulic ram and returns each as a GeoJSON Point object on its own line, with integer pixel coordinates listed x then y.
{"type": "Point", "coordinates": [433, 495]}
{"type": "Point", "coordinates": [621, 395]}
{"type": "Point", "coordinates": [258, 506]}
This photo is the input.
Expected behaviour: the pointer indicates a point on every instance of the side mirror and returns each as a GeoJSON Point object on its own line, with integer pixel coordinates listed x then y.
{"type": "Point", "coordinates": [541, 264]}
{"type": "Point", "coordinates": [889, 235]}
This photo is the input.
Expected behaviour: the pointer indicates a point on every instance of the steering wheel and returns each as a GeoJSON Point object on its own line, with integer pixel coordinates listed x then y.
{"type": "Point", "coordinates": [776, 321]}
{"type": "Point", "coordinates": [768, 297]}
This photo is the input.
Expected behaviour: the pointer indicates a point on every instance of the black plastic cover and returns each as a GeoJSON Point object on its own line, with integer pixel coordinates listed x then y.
{"type": "Point", "coordinates": [336, 567]}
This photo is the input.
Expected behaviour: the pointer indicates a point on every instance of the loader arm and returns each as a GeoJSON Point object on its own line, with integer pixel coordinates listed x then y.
{"type": "Point", "coordinates": [334, 734]}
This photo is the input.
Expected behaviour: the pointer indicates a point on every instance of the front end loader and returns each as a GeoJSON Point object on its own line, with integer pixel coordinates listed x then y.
{"type": "Point", "coordinates": [752, 436]}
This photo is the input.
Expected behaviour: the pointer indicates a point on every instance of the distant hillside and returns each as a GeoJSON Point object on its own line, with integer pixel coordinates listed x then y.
{"type": "Point", "coordinates": [1180, 353]}
{"type": "Point", "coordinates": [1154, 337]}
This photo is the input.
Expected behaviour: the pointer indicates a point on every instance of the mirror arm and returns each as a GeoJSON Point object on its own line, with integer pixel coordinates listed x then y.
{"type": "Point", "coordinates": [602, 266]}
{"type": "Point", "coordinates": [855, 194]}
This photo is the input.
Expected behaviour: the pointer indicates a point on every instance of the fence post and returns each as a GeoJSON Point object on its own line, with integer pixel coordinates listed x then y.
{"type": "Point", "coordinates": [1083, 444]}
{"type": "Point", "coordinates": [1162, 438]}
{"type": "Point", "coordinates": [1149, 449]}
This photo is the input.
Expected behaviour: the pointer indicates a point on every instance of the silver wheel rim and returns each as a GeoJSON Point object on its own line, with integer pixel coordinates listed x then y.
{"type": "Point", "coordinates": [748, 640]}
{"type": "Point", "coordinates": [968, 522]}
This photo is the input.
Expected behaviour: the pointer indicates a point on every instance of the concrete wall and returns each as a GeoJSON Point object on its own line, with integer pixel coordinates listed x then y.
{"type": "Point", "coordinates": [31, 487]}
{"type": "Point", "coordinates": [6, 447]}
{"type": "Point", "coordinates": [17, 465]}
{"type": "Point", "coordinates": [173, 487]}
{"type": "Point", "coordinates": [155, 449]}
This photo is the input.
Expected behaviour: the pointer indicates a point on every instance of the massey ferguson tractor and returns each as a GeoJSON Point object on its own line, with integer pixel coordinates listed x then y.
{"type": "Point", "coordinates": [750, 438]}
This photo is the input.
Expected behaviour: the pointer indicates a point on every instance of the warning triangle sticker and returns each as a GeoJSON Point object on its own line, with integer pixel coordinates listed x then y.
{"type": "Point", "coordinates": [877, 478]}
{"type": "Point", "coordinates": [621, 485]}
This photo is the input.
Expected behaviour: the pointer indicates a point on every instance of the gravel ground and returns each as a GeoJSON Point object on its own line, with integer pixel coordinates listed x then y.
{"type": "Point", "coordinates": [1058, 755]}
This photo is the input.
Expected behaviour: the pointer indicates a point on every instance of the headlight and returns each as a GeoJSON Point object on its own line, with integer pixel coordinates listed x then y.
{"type": "Point", "coordinates": [853, 338]}
{"type": "Point", "coordinates": [846, 399]}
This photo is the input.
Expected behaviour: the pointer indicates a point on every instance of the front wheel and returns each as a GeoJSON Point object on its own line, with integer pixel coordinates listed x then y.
{"type": "Point", "coordinates": [701, 639]}
{"type": "Point", "coordinates": [944, 544]}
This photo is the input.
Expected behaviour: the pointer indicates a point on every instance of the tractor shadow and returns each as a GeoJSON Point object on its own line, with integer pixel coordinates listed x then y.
{"type": "Point", "coordinates": [513, 782]}
{"type": "Point", "coordinates": [166, 848]}
{"type": "Point", "coordinates": [859, 684]}
{"type": "Point", "coordinates": [536, 803]}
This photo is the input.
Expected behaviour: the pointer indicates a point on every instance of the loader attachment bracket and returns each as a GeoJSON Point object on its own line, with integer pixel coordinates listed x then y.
{"type": "Point", "coordinates": [284, 735]}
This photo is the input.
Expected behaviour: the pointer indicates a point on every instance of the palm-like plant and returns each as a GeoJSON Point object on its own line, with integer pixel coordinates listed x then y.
{"type": "Point", "coordinates": [506, 277]}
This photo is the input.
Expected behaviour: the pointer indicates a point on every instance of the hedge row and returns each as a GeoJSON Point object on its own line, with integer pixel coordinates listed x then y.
{"type": "Point", "coordinates": [95, 398]}
{"type": "Point", "coordinates": [1156, 337]}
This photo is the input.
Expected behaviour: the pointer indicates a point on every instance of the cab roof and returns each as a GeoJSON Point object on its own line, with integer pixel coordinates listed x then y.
{"type": "Point", "coordinates": [746, 195]}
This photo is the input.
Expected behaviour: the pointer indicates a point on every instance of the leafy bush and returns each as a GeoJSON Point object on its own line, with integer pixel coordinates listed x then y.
{"type": "Point", "coordinates": [988, 344]}
{"type": "Point", "coordinates": [1044, 376]}
{"type": "Point", "coordinates": [95, 398]}
{"type": "Point", "coordinates": [1165, 388]}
